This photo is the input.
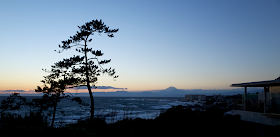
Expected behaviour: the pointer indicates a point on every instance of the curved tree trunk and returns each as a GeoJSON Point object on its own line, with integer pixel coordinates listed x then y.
{"type": "Point", "coordinates": [88, 85]}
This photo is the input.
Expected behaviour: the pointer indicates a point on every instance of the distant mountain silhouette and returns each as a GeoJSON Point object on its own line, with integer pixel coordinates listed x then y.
{"type": "Point", "coordinates": [171, 88]}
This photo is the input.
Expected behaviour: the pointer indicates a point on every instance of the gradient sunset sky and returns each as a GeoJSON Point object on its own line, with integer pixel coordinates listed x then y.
{"type": "Point", "coordinates": [188, 44]}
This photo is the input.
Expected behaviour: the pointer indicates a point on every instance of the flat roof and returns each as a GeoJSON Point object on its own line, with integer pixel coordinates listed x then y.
{"type": "Point", "coordinates": [258, 84]}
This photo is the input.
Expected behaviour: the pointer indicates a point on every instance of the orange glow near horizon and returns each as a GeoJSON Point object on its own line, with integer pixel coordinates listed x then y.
{"type": "Point", "coordinates": [28, 91]}
{"type": "Point", "coordinates": [67, 91]}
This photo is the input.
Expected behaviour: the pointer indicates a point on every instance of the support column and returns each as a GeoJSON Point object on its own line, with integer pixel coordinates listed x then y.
{"type": "Point", "coordinates": [265, 90]}
{"type": "Point", "coordinates": [245, 99]}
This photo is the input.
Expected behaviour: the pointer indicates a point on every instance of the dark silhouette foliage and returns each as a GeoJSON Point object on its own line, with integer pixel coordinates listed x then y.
{"type": "Point", "coordinates": [53, 89]}
{"type": "Point", "coordinates": [55, 85]}
{"type": "Point", "coordinates": [13, 102]}
{"type": "Point", "coordinates": [13, 121]}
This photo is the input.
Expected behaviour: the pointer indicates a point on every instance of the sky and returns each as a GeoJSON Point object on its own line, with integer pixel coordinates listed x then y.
{"type": "Point", "coordinates": [187, 44]}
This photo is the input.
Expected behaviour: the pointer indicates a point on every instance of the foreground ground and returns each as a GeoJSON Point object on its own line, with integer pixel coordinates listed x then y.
{"type": "Point", "coordinates": [176, 121]}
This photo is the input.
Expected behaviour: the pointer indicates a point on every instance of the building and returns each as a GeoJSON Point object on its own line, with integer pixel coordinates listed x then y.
{"type": "Point", "coordinates": [265, 110]}
{"type": "Point", "coordinates": [217, 96]}
{"type": "Point", "coordinates": [201, 97]}
{"type": "Point", "coordinates": [189, 97]}
{"type": "Point", "coordinates": [195, 97]}
{"type": "Point", "coordinates": [221, 100]}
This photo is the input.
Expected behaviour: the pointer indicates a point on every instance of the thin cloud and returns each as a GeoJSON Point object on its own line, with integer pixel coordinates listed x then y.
{"type": "Point", "coordinates": [13, 91]}
{"type": "Point", "coordinates": [99, 87]}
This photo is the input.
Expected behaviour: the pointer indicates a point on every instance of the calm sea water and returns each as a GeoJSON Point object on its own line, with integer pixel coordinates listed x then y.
{"type": "Point", "coordinates": [110, 108]}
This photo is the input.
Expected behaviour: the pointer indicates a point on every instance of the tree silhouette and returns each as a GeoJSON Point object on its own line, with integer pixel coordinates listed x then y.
{"type": "Point", "coordinates": [55, 85]}
{"type": "Point", "coordinates": [52, 90]}
{"type": "Point", "coordinates": [86, 69]}
{"type": "Point", "coordinates": [13, 102]}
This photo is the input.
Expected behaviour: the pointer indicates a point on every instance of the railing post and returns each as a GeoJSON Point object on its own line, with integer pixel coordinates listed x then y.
{"type": "Point", "coordinates": [245, 99]}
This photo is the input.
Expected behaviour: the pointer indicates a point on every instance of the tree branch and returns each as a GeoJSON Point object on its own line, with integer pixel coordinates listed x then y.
{"type": "Point", "coordinates": [97, 62]}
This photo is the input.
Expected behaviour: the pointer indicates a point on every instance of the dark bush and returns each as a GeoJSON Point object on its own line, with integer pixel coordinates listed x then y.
{"type": "Point", "coordinates": [33, 119]}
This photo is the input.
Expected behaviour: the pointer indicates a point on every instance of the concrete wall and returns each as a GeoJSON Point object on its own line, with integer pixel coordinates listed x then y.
{"type": "Point", "coordinates": [257, 117]}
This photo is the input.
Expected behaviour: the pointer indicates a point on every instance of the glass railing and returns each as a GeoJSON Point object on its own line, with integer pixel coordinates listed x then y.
{"type": "Point", "coordinates": [255, 106]}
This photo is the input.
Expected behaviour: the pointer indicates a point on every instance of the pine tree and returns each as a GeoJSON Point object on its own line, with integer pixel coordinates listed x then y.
{"type": "Point", "coordinates": [86, 69]}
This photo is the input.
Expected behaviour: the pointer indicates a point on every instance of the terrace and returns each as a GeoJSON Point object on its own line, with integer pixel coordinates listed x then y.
{"type": "Point", "coordinates": [261, 108]}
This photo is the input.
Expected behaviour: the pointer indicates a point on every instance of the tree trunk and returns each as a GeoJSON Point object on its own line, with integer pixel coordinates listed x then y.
{"type": "Point", "coordinates": [91, 102]}
{"type": "Point", "coordinates": [88, 86]}
{"type": "Point", "coordinates": [57, 96]}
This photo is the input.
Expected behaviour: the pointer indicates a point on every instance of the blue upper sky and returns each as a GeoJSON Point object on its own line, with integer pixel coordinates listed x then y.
{"type": "Point", "coordinates": [187, 44]}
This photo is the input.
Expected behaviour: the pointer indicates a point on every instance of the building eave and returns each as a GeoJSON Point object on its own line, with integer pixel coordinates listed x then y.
{"type": "Point", "coordinates": [258, 84]}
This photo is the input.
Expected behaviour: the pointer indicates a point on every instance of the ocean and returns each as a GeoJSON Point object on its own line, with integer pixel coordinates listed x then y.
{"type": "Point", "coordinates": [110, 108]}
